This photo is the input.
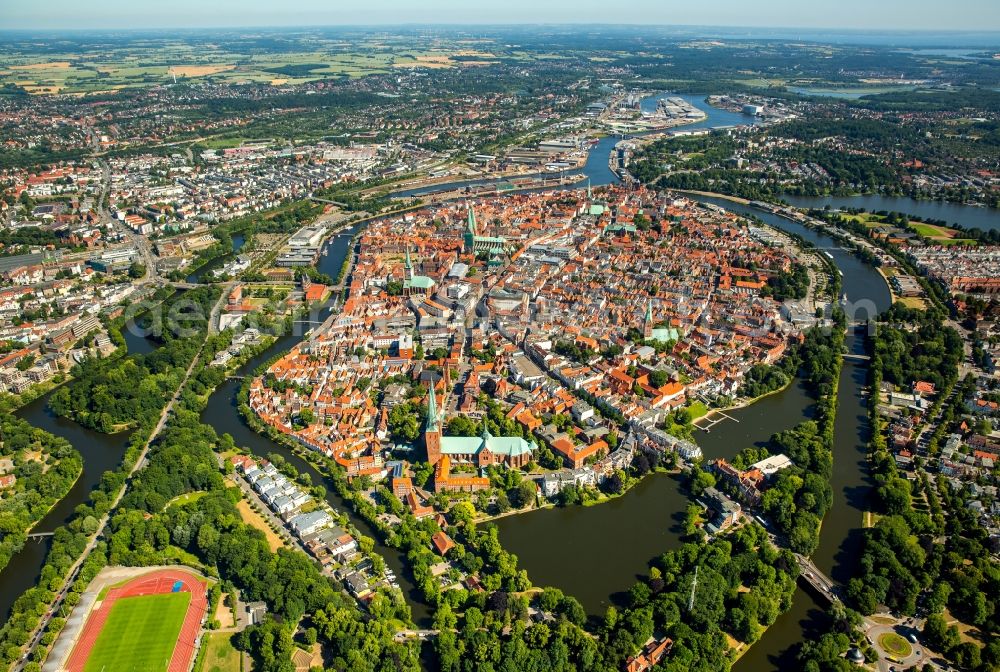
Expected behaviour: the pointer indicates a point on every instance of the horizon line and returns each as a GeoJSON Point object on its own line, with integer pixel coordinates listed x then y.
{"type": "Point", "coordinates": [445, 24]}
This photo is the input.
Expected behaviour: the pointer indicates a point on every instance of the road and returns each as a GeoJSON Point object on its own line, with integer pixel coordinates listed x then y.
{"type": "Point", "coordinates": [213, 317]}
{"type": "Point", "coordinates": [140, 463]}
{"type": "Point", "coordinates": [873, 626]}
{"type": "Point", "coordinates": [141, 243]}
{"type": "Point", "coordinates": [905, 628]}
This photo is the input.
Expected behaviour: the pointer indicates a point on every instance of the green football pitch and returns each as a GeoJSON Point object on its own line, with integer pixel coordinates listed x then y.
{"type": "Point", "coordinates": [140, 634]}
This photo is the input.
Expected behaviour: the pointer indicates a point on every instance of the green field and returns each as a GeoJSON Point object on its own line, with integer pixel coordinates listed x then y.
{"type": "Point", "coordinates": [938, 235]}
{"type": "Point", "coordinates": [140, 634]}
{"type": "Point", "coordinates": [941, 235]}
{"type": "Point", "coordinates": [895, 645]}
{"type": "Point", "coordinates": [218, 654]}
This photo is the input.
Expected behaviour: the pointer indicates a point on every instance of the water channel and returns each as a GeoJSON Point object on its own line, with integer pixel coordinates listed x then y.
{"type": "Point", "coordinates": [968, 216]}
{"type": "Point", "coordinates": [591, 552]}
{"type": "Point", "coordinates": [100, 453]}
{"type": "Point", "coordinates": [610, 545]}
{"type": "Point", "coordinates": [239, 239]}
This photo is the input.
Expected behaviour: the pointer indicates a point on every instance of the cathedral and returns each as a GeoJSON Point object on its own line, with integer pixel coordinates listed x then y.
{"type": "Point", "coordinates": [482, 451]}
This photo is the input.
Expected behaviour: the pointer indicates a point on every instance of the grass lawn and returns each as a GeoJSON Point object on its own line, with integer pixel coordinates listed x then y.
{"type": "Point", "coordinates": [913, 302]}
{"type": "Point", "coordinates": [187, 498]}
{"type": "Point", "coordinates": [251, 517]}
{"type": "Point", "coordinates": [219, 655]}
{"type": "Point", "coordinates": [933, 231]}
{"type": "Point", "coordinates": [895, 645]}
{"type": "Point", "coordinates": [140, 634]}
{"type": "Point", "coordinates": [698, 409]}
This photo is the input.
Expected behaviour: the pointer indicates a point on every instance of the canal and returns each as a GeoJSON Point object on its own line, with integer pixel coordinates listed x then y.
{"type": "Point", "coordinates": [100, 453]}
{"type": "Point", "coordinates": [968, 216]}
{"type": "Point", "coordinates": [239, 239]}
{"type": "Point", "coordinates": [596, 553]}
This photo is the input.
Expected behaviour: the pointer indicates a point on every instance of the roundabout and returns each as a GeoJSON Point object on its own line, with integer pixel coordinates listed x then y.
{"type": "Point", "coordinates": [895, 645]}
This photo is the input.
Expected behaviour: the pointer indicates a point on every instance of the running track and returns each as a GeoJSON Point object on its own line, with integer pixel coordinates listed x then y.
{"type": "Point", "coordinates": [161, 581]}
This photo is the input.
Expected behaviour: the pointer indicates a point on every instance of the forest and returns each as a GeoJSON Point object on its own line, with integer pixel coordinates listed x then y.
{"type": "Point", "coordinates": [925, 350]}
{"type": "Point", "coordinates": [45, 468]}
{"type": "Point", "coordinates": [110, 395]}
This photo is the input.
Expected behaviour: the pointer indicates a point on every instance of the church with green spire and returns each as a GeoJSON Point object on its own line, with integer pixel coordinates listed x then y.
{"type": "Point", "coordinates": [594, 208]}
{"type": "Point", "coordinates": [473, 243]}
{"type": "Point", "coordinates": [415, 284]}
{"type": "Point", "coordinates": [651, 332]}
{"type": "Point", "coordinates": [482, 450]}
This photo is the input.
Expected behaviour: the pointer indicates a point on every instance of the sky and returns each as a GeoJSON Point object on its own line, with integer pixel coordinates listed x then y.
{"type": "Point", "coordinates": [882, 15]}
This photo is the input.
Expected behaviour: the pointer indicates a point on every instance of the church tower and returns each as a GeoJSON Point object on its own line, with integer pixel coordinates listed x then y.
{"type": "Point", "coordinates": [647, 325]}
{"type": "Point", "coordinates": [432, 430]}
{"type": "Point", "coordinates": [408, 266]}
{"type": "Point", "coordinates": [469, 238]}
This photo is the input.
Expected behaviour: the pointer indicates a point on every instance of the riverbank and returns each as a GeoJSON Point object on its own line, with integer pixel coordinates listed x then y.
{"type": "Point", "coordinates": [746, 403]}
{"type": "Point", "coordinates": [710, 194]}
{"type": "Point", "coordinates": [13, 402]}
{"type": "Point", "coordinates": [14, 542]}
{"type": "Point", "coordinates": [892, 292]}
{"type": "Point", "coordinates": [604, 498]}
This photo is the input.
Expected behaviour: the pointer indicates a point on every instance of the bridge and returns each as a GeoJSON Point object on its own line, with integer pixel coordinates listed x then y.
{"type": "Point", "coordinates": [403, 635]}
{"type": "Point", "coordinates": [856, 358]}
{"type": "Point", "coordinates": [38, 536]}
{"type": "Point", "coordinates": [326, 200]}
{"type": "Point", "coordinates": [821, 584]}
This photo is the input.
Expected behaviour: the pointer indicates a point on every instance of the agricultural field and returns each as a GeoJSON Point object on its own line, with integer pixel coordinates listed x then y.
{"type": "Point", "coordinates": [140, 633]}
{"type": "Point", "coordinates": [142, 63]}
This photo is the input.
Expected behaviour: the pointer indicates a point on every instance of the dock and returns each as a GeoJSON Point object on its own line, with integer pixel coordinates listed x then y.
{"type": "Point", "coordinates": [722, 417]}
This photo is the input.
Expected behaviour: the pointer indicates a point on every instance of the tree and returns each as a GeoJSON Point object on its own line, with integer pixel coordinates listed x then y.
{"type": "Point", "coordinates": [523, 495]}
{"type": "Point", "coordinates": [700, 481]}
{"type": "Point", "coordinates": [615, 482]}
{"type": "Point", "coordinates": [502, 502]}
{"type": "Point", "coordinates": [658, 378]}
{"type": "Point", "coordinates": [462, 425]}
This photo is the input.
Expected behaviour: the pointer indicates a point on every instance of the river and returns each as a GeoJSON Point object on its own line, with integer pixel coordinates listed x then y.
{"type": "Point", "coordinates": [611, 544]}
{"type": "Point", "coordinates": [596, 168]}
{"type": "Point", "coordinates": [239, 239]}
{"type": "Point", "coordinates": [968, 216]}
{"type": "Point", "coordinates": [100, 452]}
{"type": "Point", "coordinates": [591, 552]}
